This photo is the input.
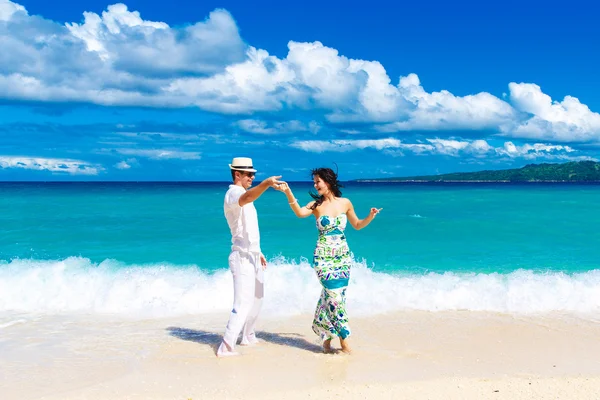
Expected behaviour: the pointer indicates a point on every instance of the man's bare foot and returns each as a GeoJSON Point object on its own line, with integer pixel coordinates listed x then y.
{"type": "Point", "coordinates": [345, 346]}
{"type": "Point", "coordinates": [250, 341]}
{"type": "Point", "coordinates": [327, 347]}
{"type": "Point", "coordinates": [225, 350]}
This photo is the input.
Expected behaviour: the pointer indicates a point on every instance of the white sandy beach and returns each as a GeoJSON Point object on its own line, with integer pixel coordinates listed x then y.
{"type": "Point", "coordinates": [412, 355]}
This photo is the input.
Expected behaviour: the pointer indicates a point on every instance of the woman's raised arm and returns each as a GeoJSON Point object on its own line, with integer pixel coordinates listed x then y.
{"type": "Point", "coordinates": [301, 212]}
{"type": "Point", "coordinates": [360, 223]}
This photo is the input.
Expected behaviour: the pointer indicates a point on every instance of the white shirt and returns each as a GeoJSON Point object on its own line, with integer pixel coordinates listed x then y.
{"type": "Point", "coordinates": [242, 221]}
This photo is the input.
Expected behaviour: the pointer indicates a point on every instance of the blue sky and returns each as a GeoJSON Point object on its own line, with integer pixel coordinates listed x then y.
{"type": "Point", "coordinates": [93, 90]}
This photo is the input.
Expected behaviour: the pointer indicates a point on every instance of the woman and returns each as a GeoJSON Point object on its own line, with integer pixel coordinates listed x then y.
{"type": "Point", "coordinates": [332, 258]}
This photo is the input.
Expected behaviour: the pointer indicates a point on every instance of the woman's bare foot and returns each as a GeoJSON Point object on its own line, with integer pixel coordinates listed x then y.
{"type": "Point", "coordinates": [345, 346]}
{"type": "Point", "coordinates": [327, 346]}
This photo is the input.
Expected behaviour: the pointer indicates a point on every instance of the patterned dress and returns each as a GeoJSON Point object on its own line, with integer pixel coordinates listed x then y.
{"type": "Point", "coordinates": [332, 262]}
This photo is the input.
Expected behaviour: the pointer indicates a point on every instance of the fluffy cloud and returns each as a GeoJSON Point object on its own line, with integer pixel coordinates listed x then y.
{"type": "Point", "coordinates": [443, 110]}
{"type": "Point", "coordinates": [114, 59]}
{"type": "Point", "coordinates": [454, 148]}
{"type": "Point", "coordinates": [55, 165]}
{"type": "Point", "coordinates": [120, 59]}
{"type": "Point", "coordinates": [482, 149]}
{"type": "Point", "coordinates": [565, 121]}
{"type": "Point", "coordinates": [264, 127]}
{"type": "Point", "coordinates": [8, 9]}
{"type": "Point", "coordinates": [352, 89]}
{"type": "Point", "coordinates": [129, 43]}
{"type": "Point", "coordinates": [122, 165]}
{"type": "Point", "coordinates": [538, 150]}
{"type": "Point", "coordinates": [320, 146]}
{"type": "Point", "coordinates": [160, 154]}
{"type": "Point", "coordinates": [311, 76]}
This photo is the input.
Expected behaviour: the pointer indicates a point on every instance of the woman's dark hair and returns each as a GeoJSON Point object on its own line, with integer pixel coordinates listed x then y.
{"type": "Point", "coordinates": [331, 179]}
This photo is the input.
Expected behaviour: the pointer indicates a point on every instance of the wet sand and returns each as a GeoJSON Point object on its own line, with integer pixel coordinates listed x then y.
{"type": "Point", "coordinates": [412, 355]}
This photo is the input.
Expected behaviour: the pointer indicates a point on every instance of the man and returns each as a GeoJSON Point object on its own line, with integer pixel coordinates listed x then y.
{"type": "Point", "coordinates": [246, 260]}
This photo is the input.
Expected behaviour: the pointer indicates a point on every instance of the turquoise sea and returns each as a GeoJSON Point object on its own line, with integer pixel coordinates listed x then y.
{"type": "Point", "coordinates": [160, 249]}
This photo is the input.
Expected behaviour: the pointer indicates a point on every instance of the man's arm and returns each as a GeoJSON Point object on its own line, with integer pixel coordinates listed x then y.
{"type": "Point", "coordinates": [255, 192]}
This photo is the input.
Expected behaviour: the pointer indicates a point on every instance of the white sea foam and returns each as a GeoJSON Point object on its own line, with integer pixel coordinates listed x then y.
{"type": "Point", "coordinates": [11, 323]}
{"type": "Point", "coordinates": [75, 285]}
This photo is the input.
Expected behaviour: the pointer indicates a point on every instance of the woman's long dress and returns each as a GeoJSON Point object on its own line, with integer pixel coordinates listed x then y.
{"type": "Point", "coordinates": [332, 262]}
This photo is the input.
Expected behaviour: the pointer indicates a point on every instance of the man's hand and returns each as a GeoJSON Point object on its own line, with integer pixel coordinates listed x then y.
{"type": "Point", "coordinates": [263, 261]}
{"type": "Point", "coordinates": [255, 192]}
{"type": "Point", "coordinates": [272, 181]}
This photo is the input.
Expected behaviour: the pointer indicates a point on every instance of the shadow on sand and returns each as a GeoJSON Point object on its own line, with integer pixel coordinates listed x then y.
{"type": "Point", "coordinates": [213, 339]}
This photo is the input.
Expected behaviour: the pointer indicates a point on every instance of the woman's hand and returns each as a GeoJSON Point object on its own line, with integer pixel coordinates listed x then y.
{"type": "Point", "coordinates": [375, 211]}
{"type": "Point", "coordinates": [282, 187]}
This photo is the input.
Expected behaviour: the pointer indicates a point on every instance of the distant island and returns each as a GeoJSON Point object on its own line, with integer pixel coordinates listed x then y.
{"type": "Point", "coordinates": [581, 171]}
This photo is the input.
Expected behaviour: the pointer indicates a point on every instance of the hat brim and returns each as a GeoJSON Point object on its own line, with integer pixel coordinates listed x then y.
{"type": "Point", "coordinates": [242, 169]}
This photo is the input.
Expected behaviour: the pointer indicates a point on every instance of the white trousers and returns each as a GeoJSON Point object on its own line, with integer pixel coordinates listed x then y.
{"type": "Point", "coordinates": [248, 293]}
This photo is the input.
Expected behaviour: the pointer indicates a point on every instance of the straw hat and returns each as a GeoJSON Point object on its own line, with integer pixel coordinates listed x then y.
{"type": "Point", "coordinates": [242, 164]}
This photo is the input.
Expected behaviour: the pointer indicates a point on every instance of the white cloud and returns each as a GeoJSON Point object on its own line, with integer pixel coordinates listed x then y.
{"type": "Point", "coordinates": [262, 83]}
{"type": "Point", "coordinates": [537, 150]}
{"type": "Point", "coordinates": [566, 121]}
{"type": "Point", "coordinates": [66, 166]}
{"type": "Point", "coordinates": [8, 9]}
{"type": "Point", "coordinates": [477, 149]}
{"type": "Point", "coordinates": [162, 136]}
{"type": "Point", "coordinates": [352, 89]}
{"type": "Point", "coordinates": [454, 147]}
{"type": "Point", "coordinates": [114, 59]}
{"type": "Point", "coordinates": [264, 127]}
{"type": "Point", "coordinates": [417, 148]}
{"type": "Point", "coordinates": [160, 154]}
{"type": "Point", "coordinates": [312, 75]}
{"type": "Point", "coordinates": [122, 165]}
{"type": "Point", "coordinates": [127, 164]}
{"type": "Point", "coordinates": [351, 131]}
{"type": "Point", "coordinates": [96, 30]}
{"type": "Point", "coordinates": [130, 43]}
{"type": "Point", "coordinates": [121, 59]}
{"type": "Point", "coordinates": [320, 146]}
{"type": "Point", "coordinates": [482, 149]}
{"type": "Point", "coordinates": [118, 58]}
{"type": "Point", "coordinates": [443, 110]}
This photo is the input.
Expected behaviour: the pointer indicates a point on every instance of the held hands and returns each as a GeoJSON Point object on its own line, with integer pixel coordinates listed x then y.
{"type": "Point", "coordinates": [282, 187]}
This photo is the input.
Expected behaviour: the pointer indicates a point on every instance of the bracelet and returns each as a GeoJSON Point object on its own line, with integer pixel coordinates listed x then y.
{"type": "Point", "coordinates": [295, 201]}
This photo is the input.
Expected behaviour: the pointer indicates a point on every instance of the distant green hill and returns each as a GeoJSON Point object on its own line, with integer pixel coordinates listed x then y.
{"type": "Point", "coordinates": [582, 171]}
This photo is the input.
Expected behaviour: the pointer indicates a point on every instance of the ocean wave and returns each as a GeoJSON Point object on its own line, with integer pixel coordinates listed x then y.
{"type": "Point", "coordinates": [76, 285]}
{"type": "Point", "coordinates": [12, 322]}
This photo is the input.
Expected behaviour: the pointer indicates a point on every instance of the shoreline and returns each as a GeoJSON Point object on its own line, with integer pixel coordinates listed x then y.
{"type": "Point", "coordinates": [460, 354]}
